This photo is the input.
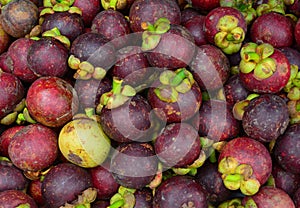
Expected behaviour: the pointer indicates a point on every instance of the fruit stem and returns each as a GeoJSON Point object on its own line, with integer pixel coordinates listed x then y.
{"type": "Point", "coordinates": [113, 4]}
{"type": "Point", "coordinates": [180, 76]}
{"type": "Point", "coordinates": [117, 86]}
{"type": "Point", "coordinates": [117, 204]}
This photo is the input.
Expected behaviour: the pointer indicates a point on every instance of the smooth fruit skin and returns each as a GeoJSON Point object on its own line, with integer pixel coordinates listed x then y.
{"type": "Point", "coordinates": [150, 11]}
{"type": "Point", "coordinates": [273, 28]}
{"type": "Point", "coordinates": [89, 10]}
{"type": "Point", "coordinates": [11, 93]}
{"type": "Point", "coordinates": [14, 198]}
{"type": "Point", "coordinates": [249, 151]}
{"type": "Point", "coordinates": [286, 149]}
{"type": "Point", "coordinates": [83, 142]}
{"type": "Point", "coordinates": [63, 183]}
{"type": "Point", "coordinates": [179, 190]}
{"type": "Point", "coordinates": [210, 67]}
{"type": "Point", "coordinates": [51, 101]}
{"type": "Point", "coordinates": [6, 137]}
{"type": "Point", "coordinates": [269, 196]}
{"type": "Point", "coordinates": [33, 148]}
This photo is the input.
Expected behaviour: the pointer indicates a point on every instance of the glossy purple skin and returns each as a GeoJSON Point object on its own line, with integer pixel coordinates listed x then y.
{"type": "Point", "coordinates": [210, 67]}
{"type": "Point", "coordinates": [11, 93]}
{"type": "Point", "coordinates": [63, 183]}
{"type": "Point", "coordinates": [187, 14]}
{"type": "Point", "coordinates": [48, 57]}
{"type": "Point", "coordinates": [211, 181]}
{"type": "Point", "coordinates": [113, 25]}
{"type": "Point", "coordinates": [285, 180]}
{"type": "Point", "coordinates": [286, 149]}
{"type": "Point", "coordinates": [216, 121]}
{"type": "Point", "coordinates": [17, 59]}
{"type": "Point", "coordinates": [6, 137]}
{"type": "Point", "coordinates": [128, 122]}
{"type": "Point", "coordinates": [94, 48]}
{"type": "Point", "coordinates": [179, 190]}
{"type": "Point", "coordinates": [134, 164]}
{"type": "Point", "coordinates": [266, 118]}
{"type": "Point", "coordinates": [13, 198]}
{"type": "Point", "coordinates": [150, 11]}
{"type": "Point", "coordinates": [69, 25]}
{"type": "Point", "coordinates": [90, 91]}
{"type": "Point", "coordinates": [143, 198]}
{"type": "Point", "coordinates": [33, 148]}
{"type": "Point", "coordinates": [273, 28]}
{"type": "Point", "coordinates": [205, 5]}
{"type": "Point", "coordinates": [234, 90]}
{"type": "Point", "coordinates": [249, 151]}
{"type": "Point", "coordinates": [292, 55]}
{"type": "Point", "coordinates": [11, 177]}
{"type": "Point", "coordinates": [178, 145]}
{"type": "Point", "coordinates": [174, 50]}
{"type": "Point", "coordinates": [89, 9]}
{"type": "Point", "coordinates": [132, 66]}
{"type": "Point", "coordinates": [268, 196]}
{"type": "Point", "coordinates": [214, 15]}
{"type": "Point", "coordinates": [195, 27]}
{"type": "Point", "coordinates": [104, 182]}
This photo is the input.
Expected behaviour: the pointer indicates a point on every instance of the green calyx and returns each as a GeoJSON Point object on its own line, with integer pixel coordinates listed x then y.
{"type": "Point", "coordinates": [230, 36]}
{"type": "Point", "coordinates": [173, 83]}
{"type": "Point", "coordinates": [293, 85]}
{"type": "Point", "coordinates": [84, 200]}
{"type": "Point", "coordinates": [124, 198]}
{"type": "Point", "coordinates": [256, 58]}
{"type": "Point", "coordinates": [52, 6]}
{"type": "Point", "coordinates": [277, 6]}
{"type": "Point", "coordinates": [294, 111]}
{"type": "Point", "coordinates": [85, 70]}
{"type": "Point", "coordinates": [238, 109]}
{"type": "Point", "coordinates": [245, 7]}
{"type": "Point", "coordinates": [152, 34]}
{"type": "Point", "coordinates": [238, 176]}
{"type": "Point", "coordinates": [118, 95]}
{"type": "Point", "coordinates": [114, 4]}
{"type": "Point", "coordinates": [250, 203]}
{"type": "Point", "coordinates": [55, 33]}
{"type": "Point", "coordinates": [232, 203]}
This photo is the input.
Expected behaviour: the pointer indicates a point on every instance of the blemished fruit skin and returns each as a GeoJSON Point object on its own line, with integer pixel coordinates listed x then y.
{"type": "Point", "coordinates": [14, 198]}
{"type": "Point", "coordinates": [83, 142]}
{"type": "Point", "coordinates": [52, 101]}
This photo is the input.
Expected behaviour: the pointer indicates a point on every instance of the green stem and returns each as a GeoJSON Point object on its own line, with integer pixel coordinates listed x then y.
{"type": "Point", "coordinates": [180, 76]}
{"type": "Point", "coordinates": [117, 204]}
{"type": "Point", "coordinates": [117, 86]}
{"type": "Point", "coordinates": [113, 4]}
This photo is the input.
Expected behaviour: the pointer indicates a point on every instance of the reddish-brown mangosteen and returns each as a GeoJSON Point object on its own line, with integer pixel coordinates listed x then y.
{"type": "Point", "coordinates": [17, 62]}
{"type": "Point", "coordinates": [273, 28]}
{"type": "Point", "coordinates": [226, 28]}
{"type": "Point", "coordinates": [18, 17]}
{"type": "Point", "coordinates": [6, 137]}
{"type": "Point", "coordinates": [180, 191]}
{"type": "Point", "coordinates": [63, 183]}
{"type": "Point", "coordinates": [263, 68]}
{"type": "Point", "coordinates": [210, 67]}
{"type": "Point", "coordinates": [11, 177]}
{"type": "Point", "coordinates": [113, 25]}
{"type": "Point", "coordinates": [168, 46]}
{"type": "Point", "coordinates": [89, 9]}
{"type": "Point", "coordinates": [134, 165]}
{"type": "Point", "coordinates": [48, 57]}
{"type": "Point", "coordinates": [205, 5]}
{"type": "Point", "coordinates": [143, 11]}
{"type": "Point", "coordinates": [176, 96]}
{"type": "Point", "coordinates": [285, 150]}
{"type": "Point", "coordinates": [195, 27]}
{"type": "Point", "coordinates": [245, 164]}
{"type": "Point", "coordinates": [216, 121]}
{"type": "Point", "coordinates": [178, 145]}
{"type": "Point", "coordinates": [4, 40]}
{"type": "Point", "coordinates": [268, 196]}
{"type": "Point", "coordinates": [35, 191]}
{"type": "Point", "coordinates": [51, 101]}
{"type": "Point", "coordinates": [11, 93]}
{"type": "Point", "coordinates": [16, 198]}
{"type": "Point", "coordinates": [69, 24]}
{"type": "Point", "coordinates": [266, 117]}
{"type": "Point", "coordinates": [33, 148]}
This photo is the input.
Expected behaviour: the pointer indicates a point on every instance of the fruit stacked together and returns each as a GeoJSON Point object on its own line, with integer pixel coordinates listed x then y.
{"type": "Point", "coordinates": [149, 103]}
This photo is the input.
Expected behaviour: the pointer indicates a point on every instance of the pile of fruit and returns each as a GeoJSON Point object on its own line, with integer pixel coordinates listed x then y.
{"type": "Point", "coordinates": [149, 104]}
